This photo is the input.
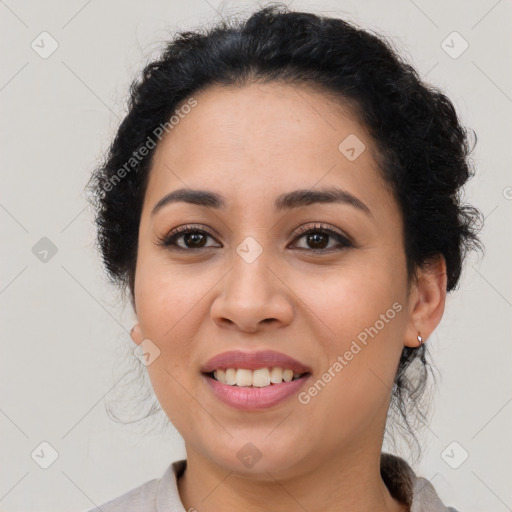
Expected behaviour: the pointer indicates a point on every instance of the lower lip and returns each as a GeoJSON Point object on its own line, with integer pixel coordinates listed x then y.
{"type": "Point", "coordinates": [253, 398]}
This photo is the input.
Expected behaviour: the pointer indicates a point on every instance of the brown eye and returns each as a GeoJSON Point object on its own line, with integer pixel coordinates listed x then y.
{"type": "Point", "coordinates": [318, 237]}
{"type": "Point", "coordinates": [317, 240]}
{"type": "Point", "coordinates": [186, 238]}
{"type": "Point", "coordinates": [195, 239]}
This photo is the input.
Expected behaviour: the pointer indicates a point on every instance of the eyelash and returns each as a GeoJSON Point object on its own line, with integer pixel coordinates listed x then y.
{"type": "Point", "coordinates": [169, 240]}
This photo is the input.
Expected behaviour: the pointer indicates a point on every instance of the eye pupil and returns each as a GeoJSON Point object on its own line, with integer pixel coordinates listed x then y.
{"type": "Point", "coordinates": [317, 239]}
{"type": "Point", "coordinates": [194, 237]}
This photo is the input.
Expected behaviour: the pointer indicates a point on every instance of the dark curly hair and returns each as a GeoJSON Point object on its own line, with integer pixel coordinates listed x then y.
{"type": "Point", "coordinates": [422, 148]}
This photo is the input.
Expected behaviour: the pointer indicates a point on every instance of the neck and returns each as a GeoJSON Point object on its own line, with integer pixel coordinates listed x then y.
{"type": "Point", "coordinates": [350, 481]}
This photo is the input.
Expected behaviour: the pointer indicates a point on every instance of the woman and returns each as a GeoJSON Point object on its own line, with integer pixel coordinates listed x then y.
{"type": "Point", "coordinates": [282, 202]}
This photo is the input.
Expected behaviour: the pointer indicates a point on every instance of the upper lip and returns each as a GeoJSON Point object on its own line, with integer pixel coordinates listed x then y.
{"type": "Point", "coordinates": [253, 361]}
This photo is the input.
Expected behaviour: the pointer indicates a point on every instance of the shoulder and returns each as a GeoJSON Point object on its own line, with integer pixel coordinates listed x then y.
{"type": "Point", "coordinates": [140, 499]}
{"type": "Point", "coordinates": [405, 486]}
{"type": "Point", "coordinates": [152, 496]}
{"type": "Point", "coordinates": [425, 497]}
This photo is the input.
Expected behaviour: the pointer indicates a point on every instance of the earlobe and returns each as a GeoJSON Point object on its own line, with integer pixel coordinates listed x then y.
{"type": "Point", "coordinates": [415, 337]}
{"type": "Point", "coordinates": [136, 334]}
{"type": "Point", "coordinates": [428, 302]}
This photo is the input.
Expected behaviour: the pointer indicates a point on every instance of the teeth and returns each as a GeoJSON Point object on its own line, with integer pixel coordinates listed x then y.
{"type": "Point", "coordinates": [259, 378]}
{"type": "Point", "coordinates": [288, 375]}
{"type": "Point", "coordinates": [243, 377]}
{"type": "Point", "coordinates": [230, 376]}
{"type": "Point", "coordinates": [276, 375]}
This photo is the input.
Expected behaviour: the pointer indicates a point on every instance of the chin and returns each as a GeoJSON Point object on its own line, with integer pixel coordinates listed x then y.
{"type": "Point", "coordinates": [262, 459]}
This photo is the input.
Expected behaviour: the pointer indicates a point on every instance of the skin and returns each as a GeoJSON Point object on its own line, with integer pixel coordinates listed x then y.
{"type": "Point", "coordinates": [269, 139]}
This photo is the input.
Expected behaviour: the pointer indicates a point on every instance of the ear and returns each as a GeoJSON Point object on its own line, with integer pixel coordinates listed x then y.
{"type": "Point", "coordinates": [136, 334]}
{"type": "Point", "coordinates": [427, 301]}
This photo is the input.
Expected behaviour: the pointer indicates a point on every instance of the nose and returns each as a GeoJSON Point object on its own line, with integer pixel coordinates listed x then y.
{"type": "Point", "coordinates": [253, 297]}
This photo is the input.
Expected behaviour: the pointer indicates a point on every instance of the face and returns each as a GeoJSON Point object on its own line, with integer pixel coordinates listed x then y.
{"type": "Point", "coordinates": [244, 277]}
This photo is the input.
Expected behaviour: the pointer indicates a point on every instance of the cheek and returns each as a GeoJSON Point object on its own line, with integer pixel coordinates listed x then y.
{"type": "Point", "coordinates": [167, 295]}
{"type": "Point", "coordinates": [170, 305]}
{"type": "Point", "coordinates": [353, 298]}
{"type": "Point", "coordinates": [359, 325]}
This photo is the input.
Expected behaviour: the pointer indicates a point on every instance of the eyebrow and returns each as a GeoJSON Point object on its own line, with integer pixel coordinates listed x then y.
{"type": "Point", "coordinates": [287, 201]}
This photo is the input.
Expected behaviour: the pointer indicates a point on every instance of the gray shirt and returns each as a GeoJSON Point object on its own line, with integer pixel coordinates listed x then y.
{"type": "Point", "coordinates": [161, 494]}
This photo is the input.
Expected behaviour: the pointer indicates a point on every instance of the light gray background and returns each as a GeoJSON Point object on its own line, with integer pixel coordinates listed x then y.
{"type": "Point", "coordinates": [64, 328]}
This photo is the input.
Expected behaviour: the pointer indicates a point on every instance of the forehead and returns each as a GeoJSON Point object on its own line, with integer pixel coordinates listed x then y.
{"type": "Point", "coordinates": [263, 139]}
{"type": "Point", "coordinates": [261, 120]}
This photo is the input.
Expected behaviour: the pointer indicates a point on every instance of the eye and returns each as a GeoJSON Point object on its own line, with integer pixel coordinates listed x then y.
{"type": "Point", "coordinates": [195, 238]}
{"type": "Point", "coordinates": [318, 236]}
{"type": "Point", "coordinates": [192, 237]}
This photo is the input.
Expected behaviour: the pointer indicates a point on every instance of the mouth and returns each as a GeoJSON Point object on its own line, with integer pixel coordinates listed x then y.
{"type": "Point", "coordinates": [254, 380]}
{"type": "Point", "coordinates": [254, 390]}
